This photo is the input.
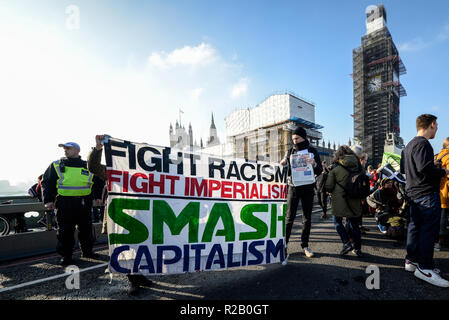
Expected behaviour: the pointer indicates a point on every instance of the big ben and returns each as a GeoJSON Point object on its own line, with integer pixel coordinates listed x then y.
{"type": "Point", "coordinates": [377, 68]}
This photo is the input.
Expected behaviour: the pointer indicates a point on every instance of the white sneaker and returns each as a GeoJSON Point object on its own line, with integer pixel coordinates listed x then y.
{"type": "Point", "coordinates": [284, 263]}
{"type": "Point", "coordinates": [410, 266]}
{"type": "Point", "coordinates": [308, 252]}
{"type": "Point", "coordinates": [431, 277]}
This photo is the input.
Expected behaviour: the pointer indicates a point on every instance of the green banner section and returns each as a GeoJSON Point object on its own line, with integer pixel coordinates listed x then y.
{"type": "Point", "coordinates": [393, 159]}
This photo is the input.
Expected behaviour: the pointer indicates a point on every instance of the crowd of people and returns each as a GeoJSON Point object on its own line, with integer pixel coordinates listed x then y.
{"type": "Point", "coordinates": [409, 204]}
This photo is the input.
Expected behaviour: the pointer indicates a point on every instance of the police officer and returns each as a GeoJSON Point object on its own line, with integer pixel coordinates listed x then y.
{"type": "Point", "coordinates": [70, 188]}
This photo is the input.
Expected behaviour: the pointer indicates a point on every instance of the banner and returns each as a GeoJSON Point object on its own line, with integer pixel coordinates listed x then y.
{"type": "Point", "coordinates": [172, 211]}
{"type": "Point", "coordinates": [393, 159]}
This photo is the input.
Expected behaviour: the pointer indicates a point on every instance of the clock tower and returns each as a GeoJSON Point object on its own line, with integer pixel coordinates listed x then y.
{"type": "Point", "coordinates": [377, 89]}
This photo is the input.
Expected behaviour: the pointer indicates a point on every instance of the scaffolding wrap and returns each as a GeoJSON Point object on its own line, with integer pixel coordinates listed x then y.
{"type": "Point", "coordinates": [377, 91]}
{"type": "Point", "coordinates": [263, 133]}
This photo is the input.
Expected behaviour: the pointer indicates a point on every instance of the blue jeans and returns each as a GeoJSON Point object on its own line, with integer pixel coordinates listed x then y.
{"type": "Point", "coordinates": [353, 225]}
{"type": "Point", "coordinates": [423, 229]}
{"type": "Point", "coordinates": [443, 222]}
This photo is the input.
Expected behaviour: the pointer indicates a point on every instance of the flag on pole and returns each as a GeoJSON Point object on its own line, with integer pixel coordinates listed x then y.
{"type": "Point", "coordinates": [393, 159]}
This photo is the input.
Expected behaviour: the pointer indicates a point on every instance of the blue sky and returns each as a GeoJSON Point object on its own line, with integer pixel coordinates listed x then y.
{"type": "Point", "coordinates": [131, 65]}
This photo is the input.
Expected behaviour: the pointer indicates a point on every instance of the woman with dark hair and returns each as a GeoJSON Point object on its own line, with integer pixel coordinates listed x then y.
{"type": "Point", "coordinates": [344, 163]}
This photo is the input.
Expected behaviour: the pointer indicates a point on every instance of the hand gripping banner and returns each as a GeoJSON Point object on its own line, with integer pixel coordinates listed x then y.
{"type": "Point", "coordinates": [174, 211]}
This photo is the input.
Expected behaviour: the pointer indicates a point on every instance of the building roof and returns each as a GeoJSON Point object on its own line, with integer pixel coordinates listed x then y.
{"type": "Point", "coordinates": [307, 123]}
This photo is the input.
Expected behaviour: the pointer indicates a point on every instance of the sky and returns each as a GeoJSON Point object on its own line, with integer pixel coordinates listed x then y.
{"type": "Point", "coordinates": [72, 69]}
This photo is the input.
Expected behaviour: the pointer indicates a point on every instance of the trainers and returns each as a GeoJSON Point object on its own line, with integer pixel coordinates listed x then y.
{"type": "Point", "coordinates": [286, 255]}
{"type": "Point", "coordinates": [431, 277]}
{"type": "Point", "coordinates": [358, 253]}
{"type": "Point", "coordinates": [437, 247]}
{"type": "Point", "coordinates": [382, 228]}
{"type": "Point", "coordinates": [308, 252]}
{"type": "Point", "coordinates": [410, 266]}
{"type": "Point", "coordinates": [284, 263]}
{"type": "Point", "coordinates": [346, 248]}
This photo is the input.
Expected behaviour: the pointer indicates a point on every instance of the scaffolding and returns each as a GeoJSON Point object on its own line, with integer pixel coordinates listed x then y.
{"type": "Point", "coordinates": [376, 112]}
{"type": "Point", "coordinates": [264, 132]}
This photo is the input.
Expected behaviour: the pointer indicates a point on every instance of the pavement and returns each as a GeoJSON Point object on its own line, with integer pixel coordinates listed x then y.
{"type": "Point", "coordinates": [326, 276]}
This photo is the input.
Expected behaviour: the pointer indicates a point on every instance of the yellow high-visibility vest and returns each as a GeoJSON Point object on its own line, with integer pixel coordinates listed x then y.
{"type": "Point", "coordinates": [73, 182]}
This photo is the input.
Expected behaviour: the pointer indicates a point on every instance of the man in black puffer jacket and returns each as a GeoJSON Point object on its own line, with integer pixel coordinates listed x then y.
{"type": "Point", "coordinates": [298, 190]}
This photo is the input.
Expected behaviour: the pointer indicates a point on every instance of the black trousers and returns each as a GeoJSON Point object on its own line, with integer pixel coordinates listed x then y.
{"type": "Point", "coordinates": [72, 212]}
{"type": "Point", "coordinates": [304, 194]}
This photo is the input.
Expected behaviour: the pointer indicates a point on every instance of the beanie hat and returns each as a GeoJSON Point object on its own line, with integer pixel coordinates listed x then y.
{"type": "Point", "coordinates": [300, 131]}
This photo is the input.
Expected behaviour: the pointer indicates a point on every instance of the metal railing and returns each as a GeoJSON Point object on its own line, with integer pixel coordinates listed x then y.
{"type": "Point", "coordinates": [10, 206]}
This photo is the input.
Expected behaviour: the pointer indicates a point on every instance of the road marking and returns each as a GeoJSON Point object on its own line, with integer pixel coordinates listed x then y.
{"type": "Point", "coordinates": [66, 274]}
{"type": "Point", "coordinates": [44, 257]}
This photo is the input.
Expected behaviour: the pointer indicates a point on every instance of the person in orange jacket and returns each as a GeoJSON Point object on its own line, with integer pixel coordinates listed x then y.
{"type": "Point", "coordinates": [442, 160]}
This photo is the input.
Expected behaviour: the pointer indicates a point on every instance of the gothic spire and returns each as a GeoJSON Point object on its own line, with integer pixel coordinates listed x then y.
{"type": "Point", "coordinates": [212, 125]}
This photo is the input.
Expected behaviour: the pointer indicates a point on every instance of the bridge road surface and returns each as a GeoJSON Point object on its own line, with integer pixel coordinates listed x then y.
{"type": "Point", "coordinates": [327, 276]}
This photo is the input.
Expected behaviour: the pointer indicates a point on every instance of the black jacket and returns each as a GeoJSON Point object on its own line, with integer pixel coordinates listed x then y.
{"type": "Point", "coordinates": [50, 177]}
{"type": "Point", "coordinates": [302, 146]}
{"type": "Point", "coordinates": [422, 176]}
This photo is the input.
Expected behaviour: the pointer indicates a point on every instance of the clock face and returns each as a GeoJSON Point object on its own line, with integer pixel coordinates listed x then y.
{"type": "Point", "coordinates": [374, 84]}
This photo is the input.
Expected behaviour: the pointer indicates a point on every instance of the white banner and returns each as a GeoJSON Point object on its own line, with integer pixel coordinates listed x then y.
{"type": "Point", "coordinates": [172, 211]}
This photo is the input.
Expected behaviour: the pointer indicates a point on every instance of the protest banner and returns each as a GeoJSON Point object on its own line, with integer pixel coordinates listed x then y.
{"type": "Point", "coordinates": [173, 211]}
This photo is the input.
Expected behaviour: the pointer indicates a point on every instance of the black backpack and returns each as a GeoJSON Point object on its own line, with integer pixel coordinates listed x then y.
{"type": "Point", "coordinates": [357, 186]}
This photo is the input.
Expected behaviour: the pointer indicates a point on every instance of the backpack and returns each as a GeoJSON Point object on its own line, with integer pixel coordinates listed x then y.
{"type": "Point", "coordinates": [357, 186]}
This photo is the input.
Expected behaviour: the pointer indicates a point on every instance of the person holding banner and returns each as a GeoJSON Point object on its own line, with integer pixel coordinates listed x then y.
{"type": "Point", "coordinates": [93, 164]}
{"type": "Point", "coordinates": [303, 163]}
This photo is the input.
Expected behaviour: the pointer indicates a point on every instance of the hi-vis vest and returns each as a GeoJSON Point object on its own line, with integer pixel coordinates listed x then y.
{"type": "Point", "coordinates": [73, 182]}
